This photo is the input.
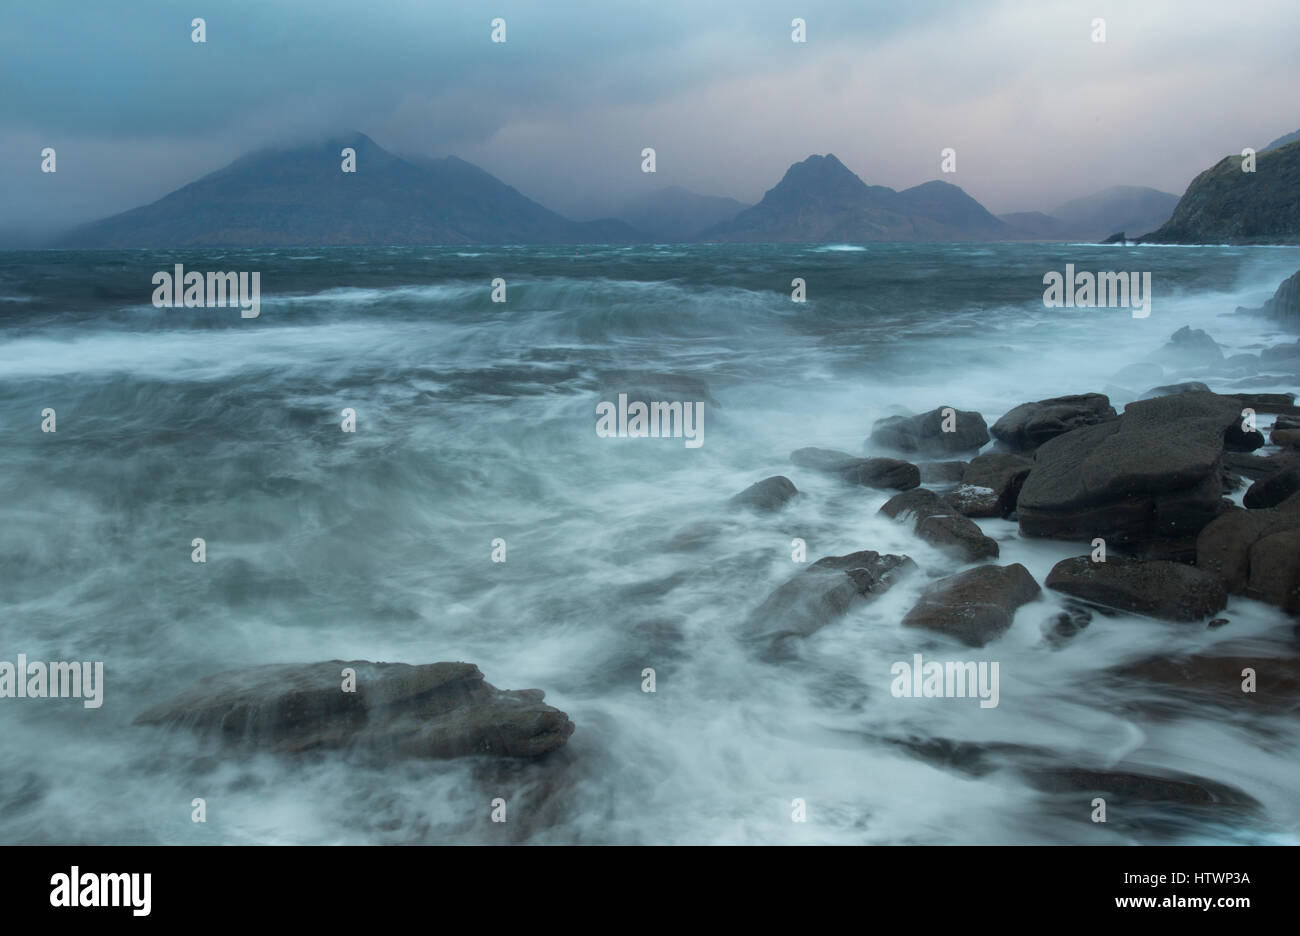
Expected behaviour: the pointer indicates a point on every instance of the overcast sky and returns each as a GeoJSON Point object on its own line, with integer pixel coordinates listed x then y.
{"type": "Point", "coordinates": [1037, 112]}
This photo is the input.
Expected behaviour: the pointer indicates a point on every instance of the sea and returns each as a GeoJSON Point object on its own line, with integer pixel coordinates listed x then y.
{"type": "Point", "coordinates": [475, 439]}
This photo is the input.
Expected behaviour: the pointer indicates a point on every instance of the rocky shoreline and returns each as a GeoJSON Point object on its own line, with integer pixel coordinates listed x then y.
{"type": "Point", "coordinates": [1179, 502]}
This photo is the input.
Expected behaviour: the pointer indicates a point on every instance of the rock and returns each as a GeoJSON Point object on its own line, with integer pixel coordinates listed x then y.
{"type": "Point", "coordinates": [1029, 425]}
{"type": "Point", "coordinates": [1126, 786]}
{"type": "Point", "coordinates": [1255, 466]}
{"type": "Point", "coordinates": [1154, 473]}
{"type": "Point", "coordinates": [1069, 622]}
{"type": "Point", "coordinates": [1191, 386]}
{"type": "Point", "coordinates": [889, 473]}
{"type": "Point", "coordinates": [974, 606]}
{"type": "Point", "coordinates": [1285, 438]}
{"type": "Point", "coordinates": [1285, 304]}
{"type": "Point", "coordinates": [1219, 679]}
{"type": "Point", "coordinates": [1278, 403]}
{"type": "Point", "coordinates": [1170, 591]}
{"type": "Point", "coordinates": [1284, 354]}
{"type": "Point", "coordinates": [770, 494]}
{"type": "Point", "coordinates": [990, 486]}
{"type": "Point", "coordinates": [924, 433]}
{"type": "Point", "coordinates": [942, 472]}
{"type": "Point", "coordinates": [435, 710]}
{"type": "Point", "coordinates": [1272, 489]}
{"type": "Point", "coordinates": [822, 593]}
{"type": "Point", "coordinates": [1189, 346]}
{"type": "Point", "coordinates": [1256, 553]}
{"type": "Point", "coordinates": [940, 525]}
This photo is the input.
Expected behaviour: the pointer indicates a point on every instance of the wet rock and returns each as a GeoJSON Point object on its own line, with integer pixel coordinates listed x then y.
{"type": "Point", "coordinates": [768, 495]}
{"type": "Point", "coordinates": [1189, 347]}
{"type": "Point", "coordinates": [1154, 473]}
{"type": "Point", "coordinates": [1255, 466]}
{"type": "Point", "coordinates": [1286, 354]}
{"type": "Point", "coordinates": [1277, 403]}
{"type": "Point", "coordinates": [1069, 622]}
{"type": "Point", "coordinates": [887, 473]}
{"type": "Point", "coordinates": [1118, 786]}
{"type": "Point", "coordinates": [942, 472]}
{"type": "Point", "coordinates": [1272, 489]}
{"type": "Point", "coordinates": [1219, 679]}
{"type": "Point", "coordinates": [1170, 591]}
{"type": "Point", "coordinates": [990, 485]}
{"type": "Point", "coordinates": [974, 606]}
{"type": "Point", "coordinates": [435, 710]}
{"type": "Point", "coordinates": [1256, 553]}
{"type": "Point", "coordinates": [925, 433]}
{"type": "Point", "coordinates": [1029, 425]}
{"type": "Point", "coordinates": [821, 594]}
{"type": "Point", "coordinates": [1191, 386]}
{"type": "Point", "coordinates": [940, 525]}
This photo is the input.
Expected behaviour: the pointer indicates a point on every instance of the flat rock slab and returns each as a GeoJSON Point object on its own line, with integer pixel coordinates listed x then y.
{"type": "Point", "coordinates": [1156, 472]}
{"type": "Point", "coordinates": [975, 606]}
{"type": "Point", "coordinates": [434, 710]}
{"type": "Point", "coordinates": [1170, 591]}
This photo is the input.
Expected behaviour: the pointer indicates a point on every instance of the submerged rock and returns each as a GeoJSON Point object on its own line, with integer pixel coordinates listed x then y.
{"type": "Point", "coordinates": [1170, 591]}
{"type": "Point", "coordinates": [925, 433]}
{"type": "Point", "coordinates": [974, 606]}
{"type": "Point", "coordinates": [940, 524]}
{"type": "Point", "coordinates": [888, 473]}
{"type": "Point", "coordinates": [434, 710]}
{"type": "Point", "coordinates": [1029, 425]}
{"type": "Point", "coordinates": [768, 495]}
{"type": "Point", "coordinates": [822, 593]}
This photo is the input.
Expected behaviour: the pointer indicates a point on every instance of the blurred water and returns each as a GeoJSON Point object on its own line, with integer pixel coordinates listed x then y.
{"type": "Point", "coordinates": [475, 421]}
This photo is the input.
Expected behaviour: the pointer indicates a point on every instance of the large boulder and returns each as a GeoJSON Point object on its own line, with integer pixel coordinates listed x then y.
{"type": "Point", "coordinates": [974, 606]}
{"type": "Point", "coordinates": [822, 593]}
{"type": "Point", "coordinates": [1167, 590]}
{"type": "Point", "coordinates": [1256, 552]}
{"type": "Point", "coordinates": [1029, 425]}
{"type": "Point", "coordinates": [940, 525]}
{"type": "Point", "coordinates": [434, 710]}
{"type": "Point", "coordinates": [925, 434]}
{"type": "Point", "coordinates": [1154, 473]}
{"type": "Point", "coordinates": [1285, 304]}
{"type": "Point", "coordinates": [766, 496]}
{"type": "Point", "coordinates": [1272, 489]}
{"type": "Point", "coordinates": [990, 485]}
{"type": "Point", "coordinates": [889, 473]}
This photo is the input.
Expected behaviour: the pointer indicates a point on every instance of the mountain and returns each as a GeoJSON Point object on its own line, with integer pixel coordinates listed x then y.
{"type": "Point", "coordinates": [300, 196]}
{"type": "Point", "coordinates": [675, 214]}
{"type": "Point", "coordinates": [1282, 141]}
{"type": "Point", "coordinates": [1129, 208]}
{"type": "Point", "coordinates": [820, 200]}
{"type": "Point", "coordinates": [1224, 205]}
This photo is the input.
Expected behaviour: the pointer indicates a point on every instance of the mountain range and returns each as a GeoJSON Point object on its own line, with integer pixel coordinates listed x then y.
{"type": "Point", "coordinates": [300, 196]}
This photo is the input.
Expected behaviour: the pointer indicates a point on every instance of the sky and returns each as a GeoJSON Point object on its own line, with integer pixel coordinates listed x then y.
{"type": "Point", "coordinates": [1037, 112]}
